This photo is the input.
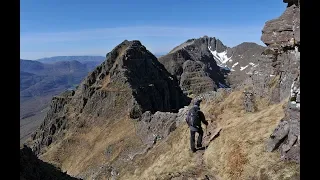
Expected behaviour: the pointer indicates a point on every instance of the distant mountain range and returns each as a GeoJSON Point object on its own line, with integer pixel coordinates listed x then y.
{"type": "Point", "coordinates": [38, 78]}
{"type": "Point", "coordinates": [72, 58]}
{"type": "Point", "coordinates": [39, 82]}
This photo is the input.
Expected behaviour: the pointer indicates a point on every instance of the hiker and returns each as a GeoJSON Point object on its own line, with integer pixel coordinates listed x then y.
{"type": "Point", "coordinates": [194, 119]}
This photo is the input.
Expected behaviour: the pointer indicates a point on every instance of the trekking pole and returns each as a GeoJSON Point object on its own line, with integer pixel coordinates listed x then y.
{"type": "Point", "coordinates": [205, 148]}
{"type": "Point", "coordinates": [206, 130]}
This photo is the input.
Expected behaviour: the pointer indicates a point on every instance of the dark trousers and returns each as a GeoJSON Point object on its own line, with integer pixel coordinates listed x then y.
{"type": "Point", "coordinates": [193, 137]}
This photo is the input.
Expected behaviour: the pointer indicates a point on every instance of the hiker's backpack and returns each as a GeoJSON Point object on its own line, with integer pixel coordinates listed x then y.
{"type": "Point", "coordinates": [192, 117]}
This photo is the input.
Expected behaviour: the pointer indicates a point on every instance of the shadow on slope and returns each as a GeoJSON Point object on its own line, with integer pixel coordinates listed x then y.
{"type": "Point", "coordinates": [32, 168]}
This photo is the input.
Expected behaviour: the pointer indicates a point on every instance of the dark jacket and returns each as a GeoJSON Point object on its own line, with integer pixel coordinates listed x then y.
{"type": "Point", "coordinates": [197, 123]}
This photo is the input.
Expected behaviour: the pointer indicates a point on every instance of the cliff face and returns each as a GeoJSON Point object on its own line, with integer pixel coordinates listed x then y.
{"type": "Point", "coordinates": [277, 78]}
{"type": "Point", "coordinates": [130, 82]}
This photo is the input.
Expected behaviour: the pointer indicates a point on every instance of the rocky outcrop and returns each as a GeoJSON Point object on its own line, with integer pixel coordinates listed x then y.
{"type": "Point", "coordinates": [283, 32]}
{"type": "Point", "coordinates": [32, 168]}
{"type": "Point", "coordinates": [54, 122]}
{"type": "Point", "coordinates": [278, 77]}
{"type": "Point", "coordinates": [157, 126]}
{"type": "Point", "coordinates": [279, 64]}
{"type": "Point", "coordinates": [248, 101]}
{"type": "Point", "coordinates": [286, 136]}
{"type": "Point", "coordinates": [194, 65]}
{"type": "Point", "coordinates": [153, 127]}
{"type": "Point", "coordinates": [129, 82]}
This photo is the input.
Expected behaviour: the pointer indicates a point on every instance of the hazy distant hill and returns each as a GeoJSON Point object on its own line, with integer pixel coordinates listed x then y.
{"type": "Point", "coordinates": [39, 82]}
{"type": "Point", "coordinates": [38, 79]}
{"type": "Point", "coordinates": [71, 58]}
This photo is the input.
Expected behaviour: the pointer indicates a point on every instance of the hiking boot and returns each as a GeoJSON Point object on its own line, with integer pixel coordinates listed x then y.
{"type": "Point", "coordinates": [194, 150]}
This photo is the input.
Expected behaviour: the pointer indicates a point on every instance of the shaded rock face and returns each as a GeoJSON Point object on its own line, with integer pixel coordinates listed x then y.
{"type": "Point", "coordinates": [32, 168]}
{"type": "Point", "coordinates": [194, 65]}
{"type": "Point", "coordinates": [278, 77]}
{"type": "Point", "coordinates": [292, 2]}
{"type": "Point", "coordinates": [130, 82]}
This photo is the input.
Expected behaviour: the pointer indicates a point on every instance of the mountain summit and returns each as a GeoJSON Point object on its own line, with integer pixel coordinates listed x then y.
{"type": "Point", "coordinates": [198, 65]}
{"type": "Point", "coordinates": [129, 82]}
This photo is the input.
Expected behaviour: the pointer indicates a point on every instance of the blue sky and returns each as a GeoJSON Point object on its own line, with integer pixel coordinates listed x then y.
{"type": "Point", "coordinates": [82, 27]}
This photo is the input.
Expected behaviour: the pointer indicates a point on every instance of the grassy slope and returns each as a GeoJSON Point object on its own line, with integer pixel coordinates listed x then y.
{"type": "Point", "coordinates": [238, 153]}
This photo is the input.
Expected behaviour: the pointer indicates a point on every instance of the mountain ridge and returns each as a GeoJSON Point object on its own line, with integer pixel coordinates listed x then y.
{"type": "Point", "coordinates": [130, 79]}
{"type": "Point", "coordinates": [206, 61]}
{"type": "Point", "coordinates": [126, 119]}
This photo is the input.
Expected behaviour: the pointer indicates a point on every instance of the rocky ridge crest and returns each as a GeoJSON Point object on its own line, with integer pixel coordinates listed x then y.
{"type": "Point", "coordinates": [129, 82]}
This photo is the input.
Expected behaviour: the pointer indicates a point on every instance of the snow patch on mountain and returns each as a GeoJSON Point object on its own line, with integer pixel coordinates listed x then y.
{"type": "Point", "coordinates": [221, 58]}
{"type": "Point", "coordinates": [243, 68]}
{"type": "Point", "coordinates": [234, 64]}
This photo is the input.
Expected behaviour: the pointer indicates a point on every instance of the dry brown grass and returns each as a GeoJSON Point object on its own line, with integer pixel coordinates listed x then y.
{"type": "Point", "coordinates": [238, 153]}
{"type": "Point", "coordinates": [106, 81]}
{"type": "Point", "coordinates": [81, 150]}
{"type": "Point", "coordinates": [236, 159]}
{"type": "Point", "coordinates": [168, 158]}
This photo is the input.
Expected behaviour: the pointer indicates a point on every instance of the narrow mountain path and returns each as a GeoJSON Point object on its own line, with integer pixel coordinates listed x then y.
{"type": "Point", "coordinates": [201, 171]}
